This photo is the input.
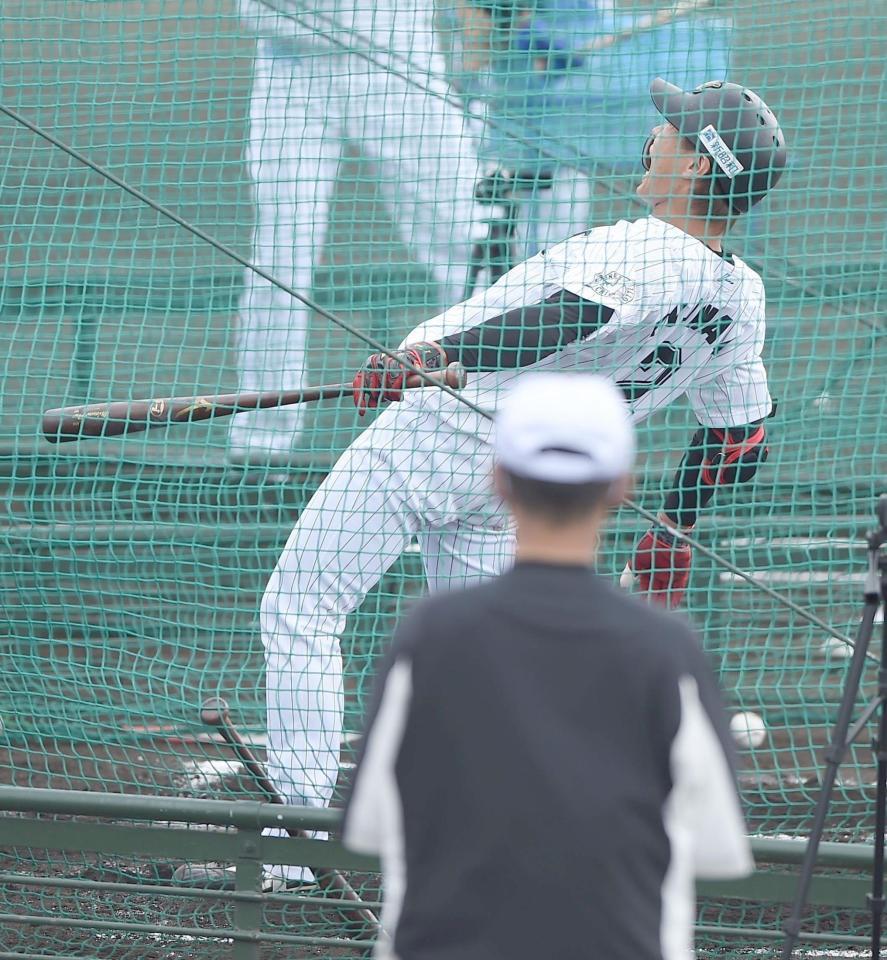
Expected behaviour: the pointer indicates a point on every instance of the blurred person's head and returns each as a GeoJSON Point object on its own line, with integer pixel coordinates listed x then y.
{"type": "Point", "coordinates": [564, 450]}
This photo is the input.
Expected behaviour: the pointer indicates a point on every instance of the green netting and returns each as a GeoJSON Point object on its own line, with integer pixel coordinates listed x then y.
{"type": "Point", "coordinates": [132, 569]}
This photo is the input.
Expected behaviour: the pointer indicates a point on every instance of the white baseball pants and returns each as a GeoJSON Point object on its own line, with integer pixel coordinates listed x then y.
{"type": "Point", "coordinates": [303, 111]}
{"type": "Point", "coordinates": [407, 475]}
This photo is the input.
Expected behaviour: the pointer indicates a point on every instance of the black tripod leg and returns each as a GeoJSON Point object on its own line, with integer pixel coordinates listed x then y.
{"type": "Point", "coordinates": [476, 264]}
{"type": "Point", "coordinates": [495, 255]}
{"type": "Point", "coordinates": [876, 899]}
{"type": "Point", "coordinates": [836, 751]}
{"type": "Point", "coordinates": [495, 252]}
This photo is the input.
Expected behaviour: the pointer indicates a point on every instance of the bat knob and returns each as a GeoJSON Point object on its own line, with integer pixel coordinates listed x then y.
{"type": "Point", "coordinates": [455, 375]}
{"type": "Point", "coordinates": [213, 711]}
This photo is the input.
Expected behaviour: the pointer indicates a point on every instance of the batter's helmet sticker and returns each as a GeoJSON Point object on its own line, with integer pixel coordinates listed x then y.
{"type": "Point", "coordinates": [613, 286]}
{"type": "Point", "coordinates": [722, 155]}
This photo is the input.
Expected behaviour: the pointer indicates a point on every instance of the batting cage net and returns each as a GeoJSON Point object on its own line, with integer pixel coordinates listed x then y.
{"type": "Point", "coordinates": [384, 162]}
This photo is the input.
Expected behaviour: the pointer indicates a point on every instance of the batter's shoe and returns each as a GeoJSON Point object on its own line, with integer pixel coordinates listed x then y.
{"type": "Point", "coordinates": [214, 876]}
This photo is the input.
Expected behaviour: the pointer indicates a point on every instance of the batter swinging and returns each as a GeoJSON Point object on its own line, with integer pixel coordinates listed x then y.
{"type": "Point", "coordinates": [655, 304]}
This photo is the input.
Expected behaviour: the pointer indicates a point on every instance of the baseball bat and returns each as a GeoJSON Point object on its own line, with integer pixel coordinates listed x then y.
{"type": "Point", "coordinates": [214, 712]}
{"type": "Point", "coordinates": [118, 417]}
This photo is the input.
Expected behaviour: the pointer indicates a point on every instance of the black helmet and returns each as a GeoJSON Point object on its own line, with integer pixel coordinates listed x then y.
{"type": "Point", "coordinates": [738, 131]}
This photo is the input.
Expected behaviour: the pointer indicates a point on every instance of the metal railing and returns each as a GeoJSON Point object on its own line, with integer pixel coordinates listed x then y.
{"type": "Point", "coordinates": [157, 829]}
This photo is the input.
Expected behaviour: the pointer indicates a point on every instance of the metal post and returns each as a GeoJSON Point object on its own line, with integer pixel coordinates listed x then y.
{"type": "Point", "coordinates": [248, 880]}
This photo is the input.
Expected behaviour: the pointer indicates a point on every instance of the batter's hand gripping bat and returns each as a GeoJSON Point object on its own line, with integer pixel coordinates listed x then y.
{"type": "Point", "coordinates": [118, 417]}
{"type": "Point", "coordinates": [214, 713]}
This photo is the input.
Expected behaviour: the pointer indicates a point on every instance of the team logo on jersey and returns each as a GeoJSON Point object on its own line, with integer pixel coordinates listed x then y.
{"type": "Point", "coordinates": [613, 286]}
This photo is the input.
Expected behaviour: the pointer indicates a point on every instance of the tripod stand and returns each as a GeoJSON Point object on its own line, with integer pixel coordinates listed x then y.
{"type": "Point", "coordinates": [500, 190]}
{"type": "Point", "coordinates": [875, 591]}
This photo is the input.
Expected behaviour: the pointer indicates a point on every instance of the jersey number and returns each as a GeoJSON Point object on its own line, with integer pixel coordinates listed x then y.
{"type": "Point", "coordinates": [657, 367]}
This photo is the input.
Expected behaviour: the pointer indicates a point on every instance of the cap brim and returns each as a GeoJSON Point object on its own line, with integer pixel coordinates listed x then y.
{"type": "Point", "coordinates": [670, 101]}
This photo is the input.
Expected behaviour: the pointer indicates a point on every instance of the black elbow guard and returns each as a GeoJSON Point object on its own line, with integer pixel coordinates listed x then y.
{"type": "Point", "coordinates": [717, 456]}
{"type": "Point", "coordinates": [733, 454]}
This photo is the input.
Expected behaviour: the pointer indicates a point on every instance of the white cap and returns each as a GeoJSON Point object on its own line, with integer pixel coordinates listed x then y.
{"type": "Point", "coordinates": [565, 428]}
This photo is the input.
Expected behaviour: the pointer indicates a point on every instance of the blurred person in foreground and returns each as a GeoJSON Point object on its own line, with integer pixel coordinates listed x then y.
{"type": "Point", "coordinates": [544, 735]}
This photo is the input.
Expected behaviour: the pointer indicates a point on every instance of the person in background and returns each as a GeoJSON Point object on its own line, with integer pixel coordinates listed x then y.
{"type": "Point", "coordinates": [315, 89]}
{"type": "Point", "coordinates": [545, 731]}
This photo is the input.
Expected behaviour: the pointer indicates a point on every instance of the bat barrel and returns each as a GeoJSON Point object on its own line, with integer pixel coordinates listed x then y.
{"type": "Point", "coordinates": [57, 427]}
{"type": "Point", "coordinates": [118, 417]}
{"type": "Point", "coordinates": [64, 424]}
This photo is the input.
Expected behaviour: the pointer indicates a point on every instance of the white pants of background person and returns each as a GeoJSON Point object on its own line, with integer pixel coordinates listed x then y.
{"type": "Point", "coordinates": [408, 474]}
{"type": "Point", "coordinates": [307, 102]}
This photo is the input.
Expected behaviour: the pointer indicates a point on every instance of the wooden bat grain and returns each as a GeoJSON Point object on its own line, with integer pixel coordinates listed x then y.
{"type": "Point", "coordinates": [119, 417]}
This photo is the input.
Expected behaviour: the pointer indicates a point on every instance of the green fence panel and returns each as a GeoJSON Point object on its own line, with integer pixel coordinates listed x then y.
{"type": "Point", "coordinates": [68, 901]}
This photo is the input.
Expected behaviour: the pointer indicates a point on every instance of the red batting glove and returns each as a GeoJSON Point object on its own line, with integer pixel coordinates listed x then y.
{"type": "Point", "coordinates": [661, 566]}
{"type": "Point", "coordinates": [382, 379]}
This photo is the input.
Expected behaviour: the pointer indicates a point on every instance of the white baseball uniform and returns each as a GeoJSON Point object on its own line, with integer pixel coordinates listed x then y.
{"type": "Point", "coordinates": [311, 96]}
{"type": "Point", "coordinates": [681, 320]}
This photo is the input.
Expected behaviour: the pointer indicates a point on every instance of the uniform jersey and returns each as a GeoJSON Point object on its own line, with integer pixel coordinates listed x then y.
{"type": "Point", "coordinates": [681, 319]}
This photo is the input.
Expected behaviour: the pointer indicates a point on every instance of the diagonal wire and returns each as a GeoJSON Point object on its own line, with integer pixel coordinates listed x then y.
{"type": "Point", "coordinates": [370, 341]}
{"type": "Point", "coordinates": [233, 254]}
{"type": "Point", "coordinates": [753, 581]}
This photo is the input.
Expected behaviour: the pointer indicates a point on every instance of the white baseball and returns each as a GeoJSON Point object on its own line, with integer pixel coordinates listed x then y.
{"type": "Point", "coordinates": [826, 403]}
{"type": "Point", "coordinates": [748, 729]}
{"type": "Point", "coordinates": [833, 647]}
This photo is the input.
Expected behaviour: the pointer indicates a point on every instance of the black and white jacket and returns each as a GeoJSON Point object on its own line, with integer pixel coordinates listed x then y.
{"type": "Point", "coordinates": [546, 770]}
